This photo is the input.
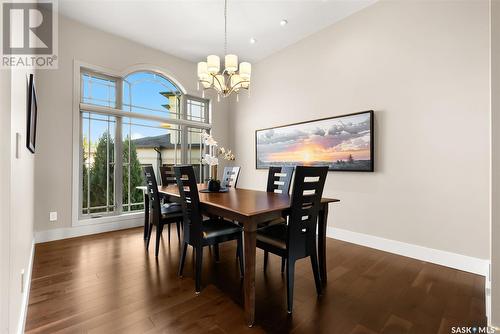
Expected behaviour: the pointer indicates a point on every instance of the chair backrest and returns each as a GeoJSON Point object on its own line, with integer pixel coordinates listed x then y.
{"type": "Point", "coordinates": [154, 196]}
{"type": "Point", "coordinates": [167, 175]}
{"type": "Point", "coordinates": [188, 191]}
{"type": "Point", "coordinates": [306, 199]}
{"type": "Point", "coordinates": [279, 179]}
{"type": "Point", "coordinates": [230, 177]}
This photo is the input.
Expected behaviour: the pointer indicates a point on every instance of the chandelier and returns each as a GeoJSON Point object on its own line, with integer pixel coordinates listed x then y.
{"type": "Point", "coordinates": [229, 80]}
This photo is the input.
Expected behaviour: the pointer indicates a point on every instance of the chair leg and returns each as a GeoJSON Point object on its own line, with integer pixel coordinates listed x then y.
{"type": "Point", "coordinates": [169, 233]}
{"type": "Point", "coordinates": [216, 252]}
{"type": "Point", "coordinates": [146, 216]}
{"type": "Point", "coordinates": [290, 272]}
{"type": "Point", "coordinates": [315, 268]}
{"type": "Point", "coordinates": [266, 259]}
{"type": "Point", "coordinates": [178, 226]}
{"type": "Point", "coordinates": [159, 229]}
{"type": "Point", "coordinates": [183, 258]}
{"type": "Point", "coordinates": [239, 248]}
{"type": "Point", "coordinates": [146, 230]}
{"type": "Point", "coordinates": [283, 261]}
{"type": "Point", "coordinates": [150, 230]}
{"type": "Point", "coordinates": [199, 262]}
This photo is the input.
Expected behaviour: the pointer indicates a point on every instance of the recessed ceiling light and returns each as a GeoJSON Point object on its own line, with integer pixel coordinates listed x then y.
{"type": "Point", "coordinates": [283, 22]}
{"type": "Point", "coordinates": [253, 40]}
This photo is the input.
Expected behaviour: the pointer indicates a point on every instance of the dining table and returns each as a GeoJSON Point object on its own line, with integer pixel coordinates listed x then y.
{"type": "Point", "coordinates": [249, 208]}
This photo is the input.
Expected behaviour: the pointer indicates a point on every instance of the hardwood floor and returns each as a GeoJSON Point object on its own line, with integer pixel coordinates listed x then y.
{"type": "Point", "coordinates": [107, 283]}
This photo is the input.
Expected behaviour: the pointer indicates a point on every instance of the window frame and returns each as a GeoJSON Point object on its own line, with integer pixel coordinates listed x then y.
{"type": "Point", "coordinates": [127, 219]}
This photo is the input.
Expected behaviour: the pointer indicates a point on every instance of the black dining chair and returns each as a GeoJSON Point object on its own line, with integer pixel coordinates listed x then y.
{"type": "Point", "coordinates": [279, 180]}
{"type": "Point", "coordinates": [167, 177]}
{"type": "Point", "coordinates": [230, 177]}
{"type": "Point", "coordinates": [200, 232]}
{"type": "Point", "coordinates": [160, 214]}
{"type": "Point", "coordinates": [297, 239]}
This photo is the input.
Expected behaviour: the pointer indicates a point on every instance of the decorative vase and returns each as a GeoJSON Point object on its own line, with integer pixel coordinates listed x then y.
{"type": "Point", "coordinates": [213, 172]}
{"type": "Point", "coordinates": [213, 183]}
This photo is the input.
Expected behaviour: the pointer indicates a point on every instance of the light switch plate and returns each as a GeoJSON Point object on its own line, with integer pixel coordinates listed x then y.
{"type": "Point", "coordinates": [53, 216]}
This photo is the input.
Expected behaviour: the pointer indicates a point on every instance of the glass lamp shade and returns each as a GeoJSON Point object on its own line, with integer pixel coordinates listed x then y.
{"type": "Point", "coordinates": [245, 83]}
{"type": "Point", "coordinates": [236, 81]}
{"type": "Point", "coordinates": [245, 70]}
{"type": "Point", "coordinates": [206, 80]}
{"type": "Point", "coordinates": [202, 69]}
{"type": "Point", "coordinates": [213, 64]}
{"type": "Point", "coordinates": [231, 63]}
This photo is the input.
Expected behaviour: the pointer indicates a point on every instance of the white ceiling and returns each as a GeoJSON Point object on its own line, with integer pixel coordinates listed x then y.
{"type": "Point", "coordinates": [193, 29]}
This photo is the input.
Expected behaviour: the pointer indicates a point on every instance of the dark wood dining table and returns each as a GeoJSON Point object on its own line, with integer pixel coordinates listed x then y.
{"type": "Point", "coordinates": [249, 208]}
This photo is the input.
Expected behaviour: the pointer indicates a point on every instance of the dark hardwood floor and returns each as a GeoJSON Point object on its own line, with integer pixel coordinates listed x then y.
{"type": "Point", "coordinates": [107, 283]}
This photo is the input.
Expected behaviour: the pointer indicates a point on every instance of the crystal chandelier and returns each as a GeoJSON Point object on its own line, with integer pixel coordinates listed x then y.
{"type": "Point", "coordinates": [228, 80]}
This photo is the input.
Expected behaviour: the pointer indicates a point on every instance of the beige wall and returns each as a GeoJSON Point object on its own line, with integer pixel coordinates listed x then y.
{"type": "Point", "coordinates": [495, 149]}
{"type": "Point", "coordinates": [16, 200]}
{"type": "Point", "coordinates": [423, 66]}
{"type": "Point", "coordinates": [55, 145]}
{"type": "Point", "coordinates": [21, 195]}
{"type": "Point", "coordinates": [5, 79]}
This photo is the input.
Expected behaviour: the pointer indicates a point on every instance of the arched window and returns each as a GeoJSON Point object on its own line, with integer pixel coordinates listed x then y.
{"type": "Point", "coordinates": [129, 122]}
{"type": "Point", "coordinates": [150, 93]}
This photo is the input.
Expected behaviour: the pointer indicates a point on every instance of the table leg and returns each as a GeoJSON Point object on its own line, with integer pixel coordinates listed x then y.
{"type": "Point", "coordinates": [249, 244]}
{"type": "Point", "coordinates": [146, 215]}
{"type": "Point", "coordinates": [322, 222]}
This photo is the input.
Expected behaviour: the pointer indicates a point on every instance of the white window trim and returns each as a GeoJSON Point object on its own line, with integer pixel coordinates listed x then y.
{"type": "Point", "coordinates": [78, 66]}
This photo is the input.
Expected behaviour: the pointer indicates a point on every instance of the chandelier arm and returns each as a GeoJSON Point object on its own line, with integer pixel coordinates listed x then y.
{"type": "Point", "coordinates": [233, 88]}
{"type": "Point", "coordinates": [220, 85]}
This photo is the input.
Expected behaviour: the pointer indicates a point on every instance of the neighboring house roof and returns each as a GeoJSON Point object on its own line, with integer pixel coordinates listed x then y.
{"type": "Point", "coordinates": [162, 141]}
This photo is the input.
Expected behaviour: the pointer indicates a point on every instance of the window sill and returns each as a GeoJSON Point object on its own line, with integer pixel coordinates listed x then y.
{"type": "Point", "coordinates": [110, 219]}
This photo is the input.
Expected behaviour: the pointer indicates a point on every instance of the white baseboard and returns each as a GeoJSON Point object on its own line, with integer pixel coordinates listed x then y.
{"type": "Point", "coordinates": [444, 258]}
{"type": "Point", "coordinates": [78, 231]}
{"type": "Point", "coordinates": [26, 293]}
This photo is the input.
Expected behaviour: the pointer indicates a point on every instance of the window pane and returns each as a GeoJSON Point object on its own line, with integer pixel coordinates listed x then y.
{"type": "Point", "coordinates": [151, 94]}
{"type": "Point", "coordinates": [98, 91]}
{"type": "Point", "coordinates": [196, 110]}
{"type": "Point", "coordinates": [98, 132]}
{"type": "Point", "coordinates": [146, 143]}
{"type": "Point", "coordinates": [195, 151]}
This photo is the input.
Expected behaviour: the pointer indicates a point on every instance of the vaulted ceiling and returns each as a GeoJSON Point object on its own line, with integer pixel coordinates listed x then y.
{"type": "Point", "coordinates": [192, 29]}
